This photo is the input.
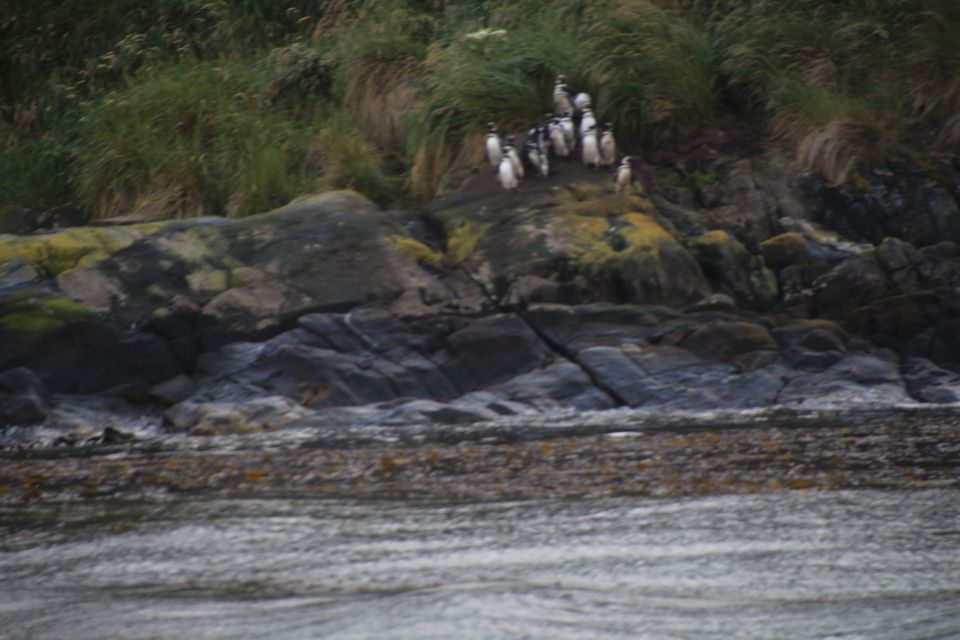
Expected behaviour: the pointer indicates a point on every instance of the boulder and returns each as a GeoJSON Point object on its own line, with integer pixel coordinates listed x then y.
{"type": "Point", "coordinates": [857, 379]}
{"type": "Point", "coordinates": [87, 356]}
{"type": "Point", "coordinates": [670, 378]}
{"type": "Point", "coordinates": [909, 203]}
{"type": "Point", "coordinates": [722, 340]}
{"type": "Point", "coordinates": [596, 245]}
{"type": "Point", "coordinates": [24, 399]}
{"type": "Point", "coordinates": [733, 270]}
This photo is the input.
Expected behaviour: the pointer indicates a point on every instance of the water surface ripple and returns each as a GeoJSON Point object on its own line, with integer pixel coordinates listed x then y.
{"type": "Point", "coordinates": [858, 564]}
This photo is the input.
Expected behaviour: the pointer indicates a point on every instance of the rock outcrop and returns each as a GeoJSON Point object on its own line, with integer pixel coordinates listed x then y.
{"type": "Point", "coordinates": [733, 293]}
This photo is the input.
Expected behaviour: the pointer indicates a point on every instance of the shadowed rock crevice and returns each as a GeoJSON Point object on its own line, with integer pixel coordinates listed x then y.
{"type": "Point", "coordinates": [571, 357]}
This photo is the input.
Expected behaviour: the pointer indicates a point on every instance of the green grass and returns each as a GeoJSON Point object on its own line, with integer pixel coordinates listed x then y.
{"type": "Point", "coordinates": [192, 139]}
{"type": "Point", "coordinates": [190, 107]}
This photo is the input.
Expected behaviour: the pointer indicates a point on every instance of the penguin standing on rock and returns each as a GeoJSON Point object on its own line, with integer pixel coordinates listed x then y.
{"type": "Point", "coordinates": [587, 120]}
{"type": "Point", "coordinates": [537, 156]}
{"type": "Point", "coordinates": [506, 174]}
{"type": "Point", "coordinates": [590, 150]}
{"type": "Point", "coordinates": [624, 176]}
{"type": "Point", "coordinates": [608, 146]}
{"type": "Point", "coordinates": [493, 146]}
{"type": "Point", "coordinates": [510, 151]}
{"type": "Point", "coordinates": [558, 139]}
{"type": "Point", "coordinates": [561, 96]}
{"type": "Point", "coordinates": [569, 131]}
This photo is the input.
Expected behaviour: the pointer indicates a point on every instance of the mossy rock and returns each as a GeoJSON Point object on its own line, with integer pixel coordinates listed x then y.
{"type": "Point", "coordinates": [36, 313]}
{"type": "Point", "coordinates": [614, 243]}
{"type": "Point", "coordinates": [785, 249]}
{"type": "Point", "coordinates": [733, 270]}
{"type": "Point", "coordinates": [56, 253]}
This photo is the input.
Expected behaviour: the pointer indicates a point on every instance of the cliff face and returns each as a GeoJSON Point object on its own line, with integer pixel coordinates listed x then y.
{"type": "Point", "coordinates": [749, 289]}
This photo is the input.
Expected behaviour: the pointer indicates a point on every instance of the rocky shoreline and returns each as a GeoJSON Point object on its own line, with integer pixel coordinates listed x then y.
{"type": "Point", "coordinates": [586, 455]}
{"type": "Point", "coordinates": [746, 293]}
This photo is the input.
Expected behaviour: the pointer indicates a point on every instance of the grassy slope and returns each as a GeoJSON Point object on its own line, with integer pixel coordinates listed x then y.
{"type": "Point", "coordinates": [188, 107]}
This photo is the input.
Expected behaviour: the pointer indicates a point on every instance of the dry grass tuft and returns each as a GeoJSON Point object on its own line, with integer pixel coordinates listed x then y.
{"type": "Point", "coordinates": [382, 102]}
{"type": "Point", "coordinates": [838, 148]}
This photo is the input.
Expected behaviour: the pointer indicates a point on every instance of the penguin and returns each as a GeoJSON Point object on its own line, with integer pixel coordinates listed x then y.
{"type": "Point", "coordinates": [544, 162]}
{"type": "Point", "coordinates": [545, 148]}
{"type": "Point", "coordinates": [510, 152]}
{"type": "Point", "coordinates": [569, 130]}
{"type": "Point", "coordinates": [539, 160]}
{"type": "Point", "coordinates": [587, 120]}
{"type": "Point", "coordinates": [608, 146]}
{"type": "Point", "coordinates": [506, 174]}
{"type": "Point", "coordinates": [561, 96]}
{"type": "Point", "coordinates": [494, 149]}
{"type": "Point", "coordinates": [558, 139]}
{"type": "Point", "coordinates": [582, 101]}
{"type": "Point", "coordinates": [591, 151]}
{"type": "Point", "coordinates": [624, 176]}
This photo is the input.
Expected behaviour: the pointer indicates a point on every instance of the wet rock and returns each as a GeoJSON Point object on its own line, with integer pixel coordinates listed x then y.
{"type": "Point", "coordinates": [851, 284]}
{"type": "Point", "coordinates": [571, 329]}
{"type": "Point", "coordinates": [562, 385]}
{"type": "Point", "coordinates": [371, 357]}
{"type": "Point", "coordinates": [786, 249]}
{"type": "Point", "coordinates": [532, 289]}
{"type": "Point", "coordinates": [713, 302]}
{"type": "Point", "coordinates": [114, 436]}
{"type": "Point", "coordinates": [221, 418]}
{"type": "Point", "coordinates": [494, 349]}
{"type": "Point", "coordinates": [672, 378]}
{"type": "Point", "coordinates": [856, 379]}
{"type": "Point", "coordinates": [723, 340]}
{"type": "Point", "coordinates": [89, 356]}
{"type": "Point", "coordinates": [733, 270]}
{"type": "Point", "coordinates": [812, 335]}
{"type": "Point", "coordinates": [23, 397]}
{"type": "Point", "coordinates": [17, 273]}
{"type": "Point", "coordinates": [906, 203]}
{"type": "Point", "coordinates": [929, 383]}
{"type": "Point", "coordinates": [468, 409]}
{"type": "Point", "coordinates": [174, 390]}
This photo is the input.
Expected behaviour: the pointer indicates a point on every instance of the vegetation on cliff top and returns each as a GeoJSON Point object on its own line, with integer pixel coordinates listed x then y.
{"type": "Point", "coordinates": [185, 107]}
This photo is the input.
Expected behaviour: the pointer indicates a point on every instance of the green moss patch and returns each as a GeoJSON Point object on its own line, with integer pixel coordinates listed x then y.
{"type": "Point", "coordinates": [77, 247]}
{"type": "Point", "coordinates": [415, 250]}
{"type": "Point", "coordinates": [463, 239]}
{"type": "Point", "coordinates": [35, 314]}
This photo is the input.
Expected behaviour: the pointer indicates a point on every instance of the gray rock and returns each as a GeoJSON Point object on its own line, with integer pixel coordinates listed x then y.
{"type": "Point", "coordinates": [856, 379]}
{"type": "Point", "coordinates": [23, 397]}
{"type": "Point", "coordinates": [220, 418]}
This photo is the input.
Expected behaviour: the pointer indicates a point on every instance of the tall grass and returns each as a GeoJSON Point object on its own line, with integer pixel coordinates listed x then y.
{"type": "Point", "coordinates": [183, 107]}
{"type": "Point", "coordinates": [190, 140]}
{"type": "Point", "coordinates": [657, 70]}
{"type": "Point", "coordinates": [345, 157]}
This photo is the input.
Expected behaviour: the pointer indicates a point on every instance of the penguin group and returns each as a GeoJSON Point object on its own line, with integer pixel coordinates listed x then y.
{"type": "Point", "coordinates": [571, 128]}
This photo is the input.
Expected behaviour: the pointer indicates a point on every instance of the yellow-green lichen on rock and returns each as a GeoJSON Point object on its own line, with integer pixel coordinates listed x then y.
{"type": "Point", "coordinates": [462, 240]}
{"type": "Point", "coordinates": [733, 269]}
{"type": "Point", "coordinates": [28, 313]}
{"type": "Point", "coordinates": [56, 253]}
{"type": "Point", "coordinates": [208, 281]}
{"type": "Point", "coordinates": [593, 241]}
{"type": "Point", "coordinates": [415, 250]}
{"type": "Point", "coordinates": [618, 242]}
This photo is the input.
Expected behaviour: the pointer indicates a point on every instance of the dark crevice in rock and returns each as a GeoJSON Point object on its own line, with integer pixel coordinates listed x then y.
{"type": "Point", "coordinates": [570, 356]}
